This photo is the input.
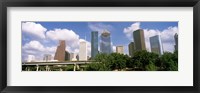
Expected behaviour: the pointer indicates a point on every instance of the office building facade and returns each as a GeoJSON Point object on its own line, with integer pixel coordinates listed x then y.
{"type": "Point", "coordinates": [67, 56]}
{"type": "Point", "coordinates": [94, 44]}
{"type": "Point", "coordinates": [139, 40]}
{"type": "Point", "coordinates": [105, 43]}
{"type": "Point", "coordinates": [131, 49]}
{"type": "Point", "coordinates": [120, 49]}
{"type": "Point", "coordinates": [176, 42]}
{"type": "Point", "coordinates": [83, 51]}
{"type": "Point", "coordinates": [156, 44]}
{"type": "Point", "coordinates": [61, 54]}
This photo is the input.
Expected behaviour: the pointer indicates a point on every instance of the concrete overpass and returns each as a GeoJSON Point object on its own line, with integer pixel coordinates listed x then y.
{"type": "Point", "coordinates": [76, 64]}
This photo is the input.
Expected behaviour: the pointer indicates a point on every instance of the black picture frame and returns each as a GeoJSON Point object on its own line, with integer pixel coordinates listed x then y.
{"type": "Point", "coordinates": [99, 3]}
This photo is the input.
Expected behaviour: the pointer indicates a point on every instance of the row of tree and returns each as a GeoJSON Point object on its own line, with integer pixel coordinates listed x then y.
{"type": "Point", "coordinates": [141, 61]}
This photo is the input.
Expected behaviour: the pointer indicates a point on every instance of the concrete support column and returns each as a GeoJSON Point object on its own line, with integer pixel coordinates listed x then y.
{"type": "Point", "coordinates": [28, 69]}
{"type": "Point", "coordinates": [60, 69]}
{"type": "Point", "coordinates": [78, 67]}
{"type": "Point", "coordinates": [47, 68]}
{"type": "Point", "coordinates": [37, 67]}
{"type": "Point", "coordinates": [74, 67]}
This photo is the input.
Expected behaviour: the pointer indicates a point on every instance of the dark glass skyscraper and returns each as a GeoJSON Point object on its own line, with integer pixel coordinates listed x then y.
{"type": "Point", "coordinates": [131, 49]}
{"type": "Point", "coordinates": [94, 44]}
{"type": "Point", "coordinates": [105, 44]}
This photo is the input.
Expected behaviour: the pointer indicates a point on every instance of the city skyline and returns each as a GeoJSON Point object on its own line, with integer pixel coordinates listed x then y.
{"type": "Point", "coordinates": [42, 37]}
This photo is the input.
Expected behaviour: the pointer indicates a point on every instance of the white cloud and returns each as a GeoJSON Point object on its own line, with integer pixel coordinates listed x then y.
{"type": "Point", "coordinates": [34, 29]}
{"type": "Point", "coordinates": [72, 39]}
{"type": "Point", "coordinates": [69, 36]}
{"type": "Point", "coordinates": [100, 27]}
{"type": "Point", "coordinates": [129, 30]}
{"type": "Point", "coordinates": [168, 47]}
{"type": "Point", "coordinates": [34, 45]}
{"type": "Point", "coordinates": [37, 49]}
{"type": "Point", "coordinates": [167, 36]}
{"type": "Point", "coordinates": [114, 48]}
{"type": "Point", "coordinates": [147, 34]}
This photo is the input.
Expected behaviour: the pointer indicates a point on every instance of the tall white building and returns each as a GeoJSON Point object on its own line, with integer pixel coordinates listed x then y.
{"type": "Point", "coordinates": [31, 58]}
{"type": "Point", "coordinates": [156, 44]}
{"type": "Point", "coordinates": [83, 51]}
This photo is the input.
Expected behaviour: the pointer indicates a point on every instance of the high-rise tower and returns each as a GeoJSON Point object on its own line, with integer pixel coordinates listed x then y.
{"type": "Point", "coordinates": [60, 51]}
{"type": "Point", "coordinates": [138, 37]}
{"type": "Point", "coordinates": [105, 43]}
{"type": "Point", "coordinates": [94, 44]}
{"type": "Point", "coordinates": [176, 41]}
{"type": "Point", "coordinates": [83, 51]}
{"type": "Point", "coordinates": [156, 44]}
{"type": "Point", "coordinates": [131, 49]}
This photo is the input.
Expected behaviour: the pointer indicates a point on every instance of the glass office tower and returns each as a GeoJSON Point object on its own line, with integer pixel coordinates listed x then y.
{"type": "Point", "coordinates": [105, 44]}
{"type": "Point", "coordinates": [156, 44]}
{"type": "Point", "coordinates": [94, 44]}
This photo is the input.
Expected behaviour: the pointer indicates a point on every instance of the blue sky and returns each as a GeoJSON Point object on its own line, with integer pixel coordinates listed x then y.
{"type": "Point", "coordinates": [42, 37]}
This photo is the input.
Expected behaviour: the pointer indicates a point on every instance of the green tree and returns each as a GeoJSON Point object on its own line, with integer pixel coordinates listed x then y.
{"type": "Point", "coordinates": [143, 59]}
{"type": "Point", "coordinates": [170, 61]}
{"type": "Point", "coordinates": [96, 67]}
{"type": "Point", "coordinates": [117, 61]}
{"type": "Point", "coordinates": [108, 62]}
{"type": "Point", "coordinates": [68, 68]}
{"type": "Point", "coordinates": [151, 67]}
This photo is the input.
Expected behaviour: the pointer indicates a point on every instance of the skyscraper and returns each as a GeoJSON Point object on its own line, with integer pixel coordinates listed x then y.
{"type": "Point", "coordinates": [60, 51]}
{"type": "Point", "coordinates": [138, 37]}
{"type": "Point", "coordinates": [131, 49]}
{"type": "Point", "coordinates": [105, 43]}
{"type": "Point", "coordinates": [83, 51]}
{"type": "Point", "coordinates": [47, 57]}
{"type": "Point", "coordinates": [67, 56]}
{"type": "Point", "coordinates": [176, 41]}
{"type": "Point", "coordinates": [156, 44]}
{"type": "Point", "coordinates": [94, 44]}
{"type": "Point", "coordinates": [120, 49]}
